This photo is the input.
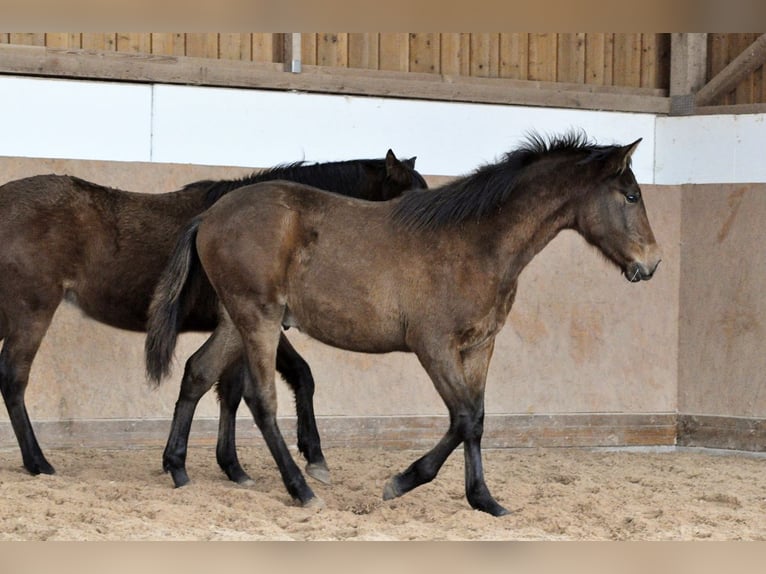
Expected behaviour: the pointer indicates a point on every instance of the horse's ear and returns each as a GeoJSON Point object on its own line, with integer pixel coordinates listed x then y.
{"type": "Point", "coordinates": [391, 161]}
{"type": "Point", "coordinates": [621, 160]}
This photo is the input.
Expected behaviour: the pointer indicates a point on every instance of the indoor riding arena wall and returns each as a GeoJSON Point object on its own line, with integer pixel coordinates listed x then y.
{"type": "Point", "coordinates": [586, 357]}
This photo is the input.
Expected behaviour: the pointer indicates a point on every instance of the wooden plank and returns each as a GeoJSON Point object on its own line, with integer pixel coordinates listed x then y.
{"type": "Point", "coordinates": [63, 40]}
{"type": "Point", "coordinates": [25, 39]}
{"type": "Point", "coordinates": [425, 54]}
{"type": "Point", "coordinates": [659, 74]}
{"type": "Point", "coordinates": [649, 60]}
{"type": "Point", "coordinates": [395, 52]}
{"type": "Point", "coordinates": [743, 94]}
{"type": "Point", "coordinates": [570, 59]}
{"type": "Point", "coordinates": [542, 57]}
{"type": "Point", "coordinates": [169, 44]}
{"type": "Point", "coordinates": [514, 56]}
{"type": "Point", "coordinates": [332, 50]}
{"type": "Point", "coordinates": [718, 58]}
{"type": "Point", "coordinates": [262, 47]}
{"type": "Point", "coordinates": [485, 55]}
{"type": "Point", "coordinates": [627, 60]}
{"type": "Point", "coordinates": [232, 46]}
{"type": "Point", "coordinates": [202, 45]}
{"type": "Point", "coordinates": [102, 41]}
{"type": "Point", "coordinates": [309, 49]}
{"type": "Point", "coordinates": [454, 53]}
{"type": "Point", "coordinates": [134, 43]}
{"type": "Point", "coordinates": [363, 51]}
{"type": "Point", "coordinates": [200, 71]}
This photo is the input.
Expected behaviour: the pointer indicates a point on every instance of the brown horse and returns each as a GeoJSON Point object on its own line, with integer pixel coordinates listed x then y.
{"type": "Point", "coordinates": [103, 249]}
{"type": "Point", "coordinates": [433, 273]}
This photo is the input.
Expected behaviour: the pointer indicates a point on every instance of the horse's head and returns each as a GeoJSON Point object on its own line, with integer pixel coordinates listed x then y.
{"type": "Point", "coordinates": [613, 217]}
{"type": "Point", "coordinates": [399, 176]}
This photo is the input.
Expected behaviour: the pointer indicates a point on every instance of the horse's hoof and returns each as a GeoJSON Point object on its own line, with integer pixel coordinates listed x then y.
{"type": "Point", "coordinates": [319, 471]}
{"type": "Point", "coordinates": [493, 508]}
{"type": "Point", "coordinates": [314, 503]}
{"type": "Point", "coordinates": [239, 476]}
{"type": "Point", "coordinates": [180, 478]}
{"type": "Point", "coordinates": [40, 468]}
{"type": "Point", "coordinates": [500, 511]}
{"type": "Point", "coordinates": [390, 491]}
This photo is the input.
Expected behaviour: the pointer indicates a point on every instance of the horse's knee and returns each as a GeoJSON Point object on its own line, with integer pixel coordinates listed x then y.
{"type": "Point", "coordinates": [468, 424]}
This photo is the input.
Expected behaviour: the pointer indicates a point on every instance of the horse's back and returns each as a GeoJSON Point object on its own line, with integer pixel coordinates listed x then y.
{"type": "Point", "coordinates": [309, 251]}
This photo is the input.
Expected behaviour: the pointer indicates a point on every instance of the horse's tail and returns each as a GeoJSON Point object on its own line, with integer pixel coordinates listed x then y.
{"type": "Point", "coordinates": [164, 318]}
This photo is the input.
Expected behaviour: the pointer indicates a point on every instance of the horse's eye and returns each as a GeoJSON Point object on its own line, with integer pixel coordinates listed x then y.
{"type": "Point", "coordinates": [632, 197]}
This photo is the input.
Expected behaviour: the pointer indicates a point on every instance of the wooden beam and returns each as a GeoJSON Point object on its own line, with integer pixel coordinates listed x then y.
{"type": "Point", "coordinates": [727, 79]}
{"type": "Point", "coordinates": [40, 61]}
{"type": "Point", "coordinates": [688, 68]}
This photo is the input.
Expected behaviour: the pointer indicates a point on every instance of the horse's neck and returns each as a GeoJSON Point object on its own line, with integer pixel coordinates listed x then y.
{"type": "Point", "coordinates": [526, 224]}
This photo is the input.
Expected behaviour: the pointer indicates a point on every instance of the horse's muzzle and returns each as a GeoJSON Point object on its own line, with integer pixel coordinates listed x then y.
{"type": "Point", "coordinates": [637, 271]}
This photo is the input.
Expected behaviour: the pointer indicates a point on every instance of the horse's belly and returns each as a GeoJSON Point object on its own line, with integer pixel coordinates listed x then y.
{"type": "Point", "coordinates": [358, 331]}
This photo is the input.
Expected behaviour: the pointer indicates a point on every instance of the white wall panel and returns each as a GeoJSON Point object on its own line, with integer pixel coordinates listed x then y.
{"type": "Point", "coordinates": [254, 127]}
{"type": "Point", "coordinates": [258, 128]}
{"type": "Point", "coordinates": [75, 119]}
{"type": "Point", "coordinates": [711, 149]}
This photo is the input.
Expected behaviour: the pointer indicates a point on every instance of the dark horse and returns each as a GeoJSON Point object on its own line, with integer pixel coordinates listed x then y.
{"type": "Point", "coordinates": [433, 273]}
{"type": "Point", "coordinates": [104, 249]}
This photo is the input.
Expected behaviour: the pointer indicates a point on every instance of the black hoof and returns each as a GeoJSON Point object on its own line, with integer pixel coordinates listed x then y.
{"type": "Point", "coordinates": [238, 475]}
{"type": "Point", "coordinates": [180, 478]}
{"type": "Point", "coordinates": [40, 467]}
{"type": "Point", "coordinates": [490, 507]}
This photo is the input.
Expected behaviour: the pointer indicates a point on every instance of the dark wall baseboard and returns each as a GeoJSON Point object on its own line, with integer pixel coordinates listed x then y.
{"type": "Point", "coordinates": [709, 431]}
{"type": "Point", "coordinates": [500, 431]}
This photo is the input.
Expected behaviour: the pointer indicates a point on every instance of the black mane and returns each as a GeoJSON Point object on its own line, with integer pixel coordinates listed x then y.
{"type": "Point", "coordinates": [485, 190]}
{"type": "Point", "coordinates": [339, 176]}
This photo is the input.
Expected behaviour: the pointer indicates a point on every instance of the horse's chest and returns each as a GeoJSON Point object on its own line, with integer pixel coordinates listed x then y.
{"type": "Point", "coordinates": [476, 331]}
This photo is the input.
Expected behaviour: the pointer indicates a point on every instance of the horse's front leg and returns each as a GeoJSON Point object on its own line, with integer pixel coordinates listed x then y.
{"type": "Point", "coordinates": [460, 378]}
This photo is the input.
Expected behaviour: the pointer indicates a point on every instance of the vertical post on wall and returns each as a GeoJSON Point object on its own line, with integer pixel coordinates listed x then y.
{"type": "Point", "coordinates": [293, 53]}
{"type": "Point", "coordinates": [688, 69]}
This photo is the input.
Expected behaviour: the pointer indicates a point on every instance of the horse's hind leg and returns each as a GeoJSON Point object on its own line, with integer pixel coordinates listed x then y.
{"type": "Point", "coordinates": [259, 329]}
{"type": "Point", "coordinates": [297, 373]}
{"type": "Point", "coordinates": [202, 370]}
{"type": "Point", "coordinates": [230, 387]}
{"type": "Point", "coordinates": [19, 350]}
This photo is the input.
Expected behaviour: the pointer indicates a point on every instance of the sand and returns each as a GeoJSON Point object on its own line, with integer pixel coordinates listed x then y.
{"type": "Point", "coordinates": [554, 494]}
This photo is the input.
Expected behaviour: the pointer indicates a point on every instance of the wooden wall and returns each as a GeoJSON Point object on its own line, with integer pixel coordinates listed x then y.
{"type": "Point", "coordinates": [629, 60]}
{"type": "Point", "coordinates": [625, 60]}
{"type": "Point", "coordinates": [722, 49]}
